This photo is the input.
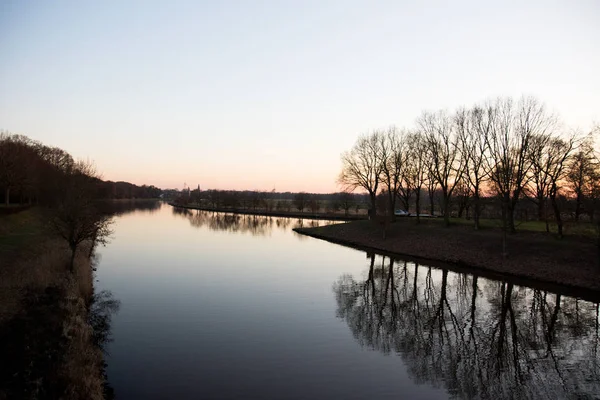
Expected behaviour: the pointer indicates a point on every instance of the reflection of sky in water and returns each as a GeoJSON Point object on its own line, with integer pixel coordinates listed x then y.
{"type": "Point", "coordinates": [211, 309]}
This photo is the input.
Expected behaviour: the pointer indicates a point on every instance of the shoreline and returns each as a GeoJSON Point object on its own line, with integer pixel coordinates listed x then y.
{"type": "Point", "coordinates": [280, 214]}
{"type": "Point", "coordinates": [45, 317]}
{"type": "Point", "coordinates": [539, 262]}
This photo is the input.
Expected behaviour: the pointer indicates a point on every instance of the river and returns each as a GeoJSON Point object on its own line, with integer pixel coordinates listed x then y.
{"type": "Point", "coordinates": [217, 306]}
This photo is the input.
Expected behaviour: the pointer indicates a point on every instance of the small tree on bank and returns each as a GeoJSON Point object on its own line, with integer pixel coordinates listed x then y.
{"type": "Point", "coordinates": [73, 216]}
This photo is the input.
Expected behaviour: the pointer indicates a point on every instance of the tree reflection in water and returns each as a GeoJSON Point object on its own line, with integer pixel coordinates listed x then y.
{"type": "Point", "coordinates": [256, 225]}
{"type": "Point", "coordinates": [476, 337]}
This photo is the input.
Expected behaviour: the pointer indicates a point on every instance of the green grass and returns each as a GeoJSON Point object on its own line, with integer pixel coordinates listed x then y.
{"type": "Point", "coordinates": [570, 228]}
{"type": "Point", "coordinates": [19, 229]}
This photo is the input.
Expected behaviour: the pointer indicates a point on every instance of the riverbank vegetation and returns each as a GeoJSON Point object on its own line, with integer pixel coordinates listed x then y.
{"type": "Point", "coordinates": [47, 346]}
{"type": "Point", "coordinates": [51, 222]}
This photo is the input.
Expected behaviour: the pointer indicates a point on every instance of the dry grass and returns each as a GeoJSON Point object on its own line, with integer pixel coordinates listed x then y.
{"type": "Point", "coordinates": [44, 329]}
{"type": "Point", "coordinates": [83, 360]}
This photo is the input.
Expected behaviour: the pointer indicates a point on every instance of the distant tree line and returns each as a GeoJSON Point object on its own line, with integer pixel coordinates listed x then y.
{"type": "Point", "coordinates": [495, 154]}
{"type": "Point", "coordinates": [29, 168]}
{"type": "Point", "coordinates": [273, 201]}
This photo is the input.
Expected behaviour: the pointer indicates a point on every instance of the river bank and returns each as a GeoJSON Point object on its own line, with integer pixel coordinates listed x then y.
{"type": "Point", "coordinates": [47, 344]}
{"type": "Point", "coordinates": [283, 214]}
{"type": "Point", "coordinates": [571, 262]}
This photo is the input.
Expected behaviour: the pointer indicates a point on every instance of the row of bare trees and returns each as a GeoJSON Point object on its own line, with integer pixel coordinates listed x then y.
{"type": "Point", "coordinates": [502, 148]}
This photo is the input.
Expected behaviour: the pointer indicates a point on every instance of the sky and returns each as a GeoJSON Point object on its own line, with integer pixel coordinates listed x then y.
{"type": "Point", "coordinates": [267, 94]}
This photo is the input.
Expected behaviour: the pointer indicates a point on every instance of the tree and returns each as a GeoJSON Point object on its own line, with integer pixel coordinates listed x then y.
{"type": "Point", "coordinates": [431, 189]}
{"type": "Point", "coordinates": [73, 215]}
{"type": "Point", "coordinates": [447, 165]}
{"type": "Point", "coordinates": [474, 131]}
{"type": "Point", "coordinates": [580, 172]}
{"type": "Point", "coordinates": [300, 200]}
{"type": "Point", "coordinates": [11, 163]}
{"type": "Point", "coordinates": [415, 173]}
{"type": "Point", "coordinates": [313, 204]}
{"type": "Point", "coordinates": [362, 167]}
{"type": "Point", "coordinates": [393, 158]}
{"type": "Point", "coordinates": [509, 144]}
{"type": "Point", "coordinates": [553, 165]}
{"type": "Point", "coordinates": [345, 201]}
{"type": "Point", "coordinates": [540, 179]}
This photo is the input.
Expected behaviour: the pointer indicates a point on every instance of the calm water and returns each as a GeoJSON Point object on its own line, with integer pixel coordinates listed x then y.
{"type": "Point", "coordinates": [216, 306]}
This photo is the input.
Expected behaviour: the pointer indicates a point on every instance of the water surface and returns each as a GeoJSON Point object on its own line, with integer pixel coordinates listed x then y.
{"type": "Point", "coordinates": [220, 306]}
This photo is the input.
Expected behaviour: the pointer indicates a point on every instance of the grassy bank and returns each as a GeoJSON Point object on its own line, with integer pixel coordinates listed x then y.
{"type": "Point", "coordinates": [284, 214]}
{"type": "Point", "coordinates": [46, 343]}
{"type": "Point", "coordinates": [571, 261]}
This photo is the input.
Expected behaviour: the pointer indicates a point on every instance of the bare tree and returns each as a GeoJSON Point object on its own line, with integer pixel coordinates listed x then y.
{"type": "Point", "coordinates": [447, 165]}
{"type": "Point", "coordinates": [415, 173]}
{"type": "Point", "coordinates": [345, 201]}
{"type": "Point", "coordinates": [581, 172]}
{"type": "Point", "coordinates": [474, 131]}
{"type": "Point", "coordinates": [362, 167]}
{"type": "Point", "coordinates": [73, 214]}
{"type": "Point", "coordinates": [431, 189]}
{"type": "Point", "coordinates": [393, 158]}
{"type": "Point", "coordinates": [300, 201]}
{"type": "Point", "coordinates": [510, 140]}
{"type": "Point", "coordinates": [553, 163]}
{"type": "Point", "coordinates": [540, 179]}
{"type": "Point", "coordinates": [313, 204]}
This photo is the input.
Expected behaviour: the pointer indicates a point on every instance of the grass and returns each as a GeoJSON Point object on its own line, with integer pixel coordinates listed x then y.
{"type": "Point", "coordinates": [571, 261]}
{"type": "Point", "coordinates": [43, 315]}
{"type": "Point", "coordinates": [19, 230]}
{"type": "Point", "coordinates": [570, 228]}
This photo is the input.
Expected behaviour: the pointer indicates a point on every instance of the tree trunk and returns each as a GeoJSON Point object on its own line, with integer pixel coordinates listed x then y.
{"type": "Point", "coordinates": [476, 209]}
{"type": "Point", "coordinates": [392, 205]}
{"type": "Point", "coordinates": [431, 204]}
{"type": "Point", "coordinates": [7, 198]}
{"type": "Point", "coordinates": [373, 210]}
{"type": "Point", "coordinates": [556, 209]}
{"type": "Point", "coordinates": [540, 207]}
{"type": "Point", "coordinates": [72, 263]}
{"type": "Point", "coordinates": [546, 217]}
{"type": "Point", "coordinates": [461, 210]}
{"type": "Point", "coordinates": [578, 201]}
{"type": "Point", "coordinates": [417, 203]}
{"type": "Point", "coordinates": [92, 246]}
{"type": "Point", "coordinates": [504, 226]}
{"type": "Point", "coordinates": [510, 217]}
{"type": "Point", "coordinates": [446, 209]}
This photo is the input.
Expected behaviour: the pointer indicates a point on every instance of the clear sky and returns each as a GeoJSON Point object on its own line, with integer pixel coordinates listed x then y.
{"type": "Point", "coordinates": [267, 94]}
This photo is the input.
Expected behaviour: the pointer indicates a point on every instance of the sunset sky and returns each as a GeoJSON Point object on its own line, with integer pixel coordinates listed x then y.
{"type": "Point", "coordinates": [267, 94]}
